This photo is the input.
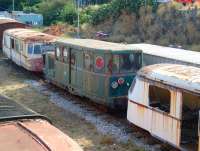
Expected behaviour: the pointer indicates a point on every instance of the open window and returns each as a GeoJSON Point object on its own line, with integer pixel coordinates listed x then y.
{"type": "Point", "coordinates": [12, 43]}
{"type": "Point", "coordinates": [159, 98]}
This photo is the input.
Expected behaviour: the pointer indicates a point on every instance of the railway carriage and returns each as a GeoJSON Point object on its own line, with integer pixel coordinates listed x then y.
{"type": "Point", "coordinates": [25, 47]}
{"type": "Point", "coordinates": [101, 71]}
{"type": "Point", "coordinates": [8, 23]}
{"type": "Point", "coordinates": [164, 99]}
{"type": "Point", "coordinates": [22, 129]}
{"type": "Point", "coordinates": [154, 54]}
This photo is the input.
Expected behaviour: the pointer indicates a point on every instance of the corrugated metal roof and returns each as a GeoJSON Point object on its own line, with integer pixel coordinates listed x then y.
{"type": "Point", "coordinates": [168, 52]}
{"type": "Point", "coordinates": [95, 44]}
{"type": "Point", "coordinates": [30, 35]}
{"type": "Point", "coordinates": [181, 76]}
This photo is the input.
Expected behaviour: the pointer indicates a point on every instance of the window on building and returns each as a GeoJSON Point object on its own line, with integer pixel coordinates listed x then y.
{"type": "Point", "coordinates": [159, 98]}
{"type": "Point", "coordinates": [88, 61]}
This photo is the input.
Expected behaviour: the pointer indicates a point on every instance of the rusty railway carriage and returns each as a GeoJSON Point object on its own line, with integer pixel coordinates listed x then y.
{"type": "Point", "coordinates": [7, 23]}
{"type": "Point", "coordinates": [101, 71]}
{"type": "Point", "coordinates": [154, 54]}
{"type": "Point", "coordinates": [164, 99]}
{"type": "Point", "coordinates": [24, 130]}
{"type": "Point", "coordinates": [25, 47]}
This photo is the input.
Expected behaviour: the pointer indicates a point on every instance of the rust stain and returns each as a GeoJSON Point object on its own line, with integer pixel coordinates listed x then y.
{"type": "Point", "coordinates": [29, 35]}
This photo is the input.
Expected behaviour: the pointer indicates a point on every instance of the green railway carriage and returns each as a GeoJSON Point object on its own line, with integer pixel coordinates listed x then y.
{"type": "Point", "coordinates": [101, 71]}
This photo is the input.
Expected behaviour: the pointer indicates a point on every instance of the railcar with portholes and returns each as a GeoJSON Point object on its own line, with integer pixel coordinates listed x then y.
{"type": "Point", "coordinates": [25, 47]}
{"type": "Point", "coordinates": [101, 71]}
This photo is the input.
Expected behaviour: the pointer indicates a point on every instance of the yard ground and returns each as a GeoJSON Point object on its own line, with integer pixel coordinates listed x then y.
{"type": "Point", "coordinates": [13, 84]}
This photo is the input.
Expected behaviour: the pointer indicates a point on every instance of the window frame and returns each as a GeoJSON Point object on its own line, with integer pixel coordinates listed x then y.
{"type": "Point", "coordinates": [157, 108]}
{"type": "Point", "coordinates": [91, 55]}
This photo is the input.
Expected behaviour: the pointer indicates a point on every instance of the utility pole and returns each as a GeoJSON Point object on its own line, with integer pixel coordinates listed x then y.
{"type": "Point", "coordinates": [78, 23]}
{"type": "Point", "coordinates": [13, 5]}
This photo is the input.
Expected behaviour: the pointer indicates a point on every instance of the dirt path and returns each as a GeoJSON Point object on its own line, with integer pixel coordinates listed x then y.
{"type": "Point", "coordinates": [13, 84]}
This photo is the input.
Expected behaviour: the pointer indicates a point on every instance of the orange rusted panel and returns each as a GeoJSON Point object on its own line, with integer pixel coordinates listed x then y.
{"type": "Point", "coordinates": [34, 135]}
{"type": "Point", "coordinates": [29, 35]}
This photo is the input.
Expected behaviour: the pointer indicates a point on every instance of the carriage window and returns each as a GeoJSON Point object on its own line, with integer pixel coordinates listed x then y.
{"type": "Point", "coordinates": [37, 49]}
{"type": "Point", "coordinates": [88, 62]}
{"type": "Point", "coordinates": [57, 53]}
{"type": "Point", "coordinates": [17, 46]}
{"type": "Point", "coordinates": [12, 43]}
{"type": "Point", "coordinates": [65, 55]}
{"type": "Point", "coordinates": [159, 98]}
{"type": "Point", "coordinates": [30, 48]}
{"type": "Point", "coordinates": [73, 58]}
{"type": "Point", "coordinates": [115, 64]}
{"type": "Point", "coordinates": [6, 43]}
{"type": "Point", "coordinates": [127, 62]}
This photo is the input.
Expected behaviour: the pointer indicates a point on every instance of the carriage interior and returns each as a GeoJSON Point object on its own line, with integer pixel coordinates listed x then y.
{"type": "Point", "coordinates": [190, 117]}
{"type": "Point", "coordinates": [160, 99]}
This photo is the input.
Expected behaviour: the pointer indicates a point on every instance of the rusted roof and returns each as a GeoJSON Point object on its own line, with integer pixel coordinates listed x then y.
{"type": "Point", "coordinates": [4, 20]}
{"type": "Point", "coordinates": [22, 129]}
{"type": "Point", "coordinates": [181, 76]}
{"type": "Point", "coordinates": [95, 44]}
{"type": "Point", "coordinates": [170, 53]}
{"type": "Point", "coordinates": [30, 35]}
{"type": "Point", "coordinates": [34, 135]}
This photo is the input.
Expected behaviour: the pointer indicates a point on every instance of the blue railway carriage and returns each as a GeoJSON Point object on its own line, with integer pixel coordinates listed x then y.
{"type": "Point", "coordinates": [101, 71]}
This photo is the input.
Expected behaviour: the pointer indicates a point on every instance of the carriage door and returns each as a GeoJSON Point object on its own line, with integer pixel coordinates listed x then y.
{"type": "Point", "coordinates": [73, 68]}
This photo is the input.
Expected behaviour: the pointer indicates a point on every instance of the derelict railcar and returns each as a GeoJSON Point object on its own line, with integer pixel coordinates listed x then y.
{"type": "Point", "coordinates": [101, 71]}
{"type": "Point", "coordinates": [22, 129]}
{"type": "Point", "coordinates": [164, 99]}
{"type": "Point", "coordinates": [154, 54]}
{"type": "Point", "coordinates": [7, 23]}
{"type": "Point", "coordinates": [25, 47]}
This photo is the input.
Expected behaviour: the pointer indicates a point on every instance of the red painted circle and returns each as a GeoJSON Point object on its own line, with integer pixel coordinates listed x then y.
{"type": "Point", "coordinates": [99, 62]}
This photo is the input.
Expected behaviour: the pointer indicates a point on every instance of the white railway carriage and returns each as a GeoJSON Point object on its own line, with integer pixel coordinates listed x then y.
{"type": "Point", "coordinates": [25, 47]}
{"type": "Point", "coordinates": [164, 99]}
{"type": "Point", "coordinates": [154, 54]}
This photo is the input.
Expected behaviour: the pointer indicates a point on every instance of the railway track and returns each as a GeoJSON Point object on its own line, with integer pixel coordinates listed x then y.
{"type": "Point", "coordinates": [106, 122]}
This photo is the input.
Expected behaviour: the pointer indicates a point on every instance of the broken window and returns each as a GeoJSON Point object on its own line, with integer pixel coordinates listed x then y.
{"type": "Point", "coordinates": [159, 98]}
{"type": "Point", "coordinates": [12, 43]}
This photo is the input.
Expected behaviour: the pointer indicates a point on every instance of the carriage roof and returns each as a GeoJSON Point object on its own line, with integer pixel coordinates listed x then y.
{"type": "Point", "coordinates": [170, 53]}
{"type": "Point", "coordinates": [95, 45]}
{"type": "Point", "coordinates": [30, 35]}
{"type": "Point", "coordinates": [180, 76]}
{"type": "Point", "coordinates": [4, 20]}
